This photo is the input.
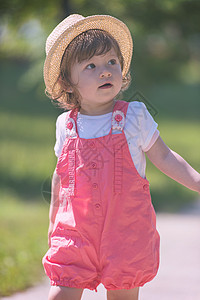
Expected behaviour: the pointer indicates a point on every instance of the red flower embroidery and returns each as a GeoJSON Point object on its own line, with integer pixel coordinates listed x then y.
{"type": "Point", "coordinates": [118, 118]}
{"type": "Point", "coordinates": [70, 125]}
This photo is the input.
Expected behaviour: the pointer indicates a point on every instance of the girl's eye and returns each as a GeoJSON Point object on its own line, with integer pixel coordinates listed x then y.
{"type": "Point", "coordinates": [90, 66]}
{"type": "Point", "coordinates": [112, 62]}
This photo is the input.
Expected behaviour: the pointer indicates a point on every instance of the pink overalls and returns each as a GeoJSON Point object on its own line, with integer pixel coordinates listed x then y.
{"type": "Point", "coordinates": [105, 228]}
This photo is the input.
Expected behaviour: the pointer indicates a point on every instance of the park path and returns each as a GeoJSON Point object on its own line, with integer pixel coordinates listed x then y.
{"type": "Point", "coordinates": [179, 274]}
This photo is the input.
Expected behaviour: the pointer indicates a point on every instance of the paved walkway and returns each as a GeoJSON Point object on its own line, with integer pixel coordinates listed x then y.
{"type": "Point", "coordinates": [179, 274]}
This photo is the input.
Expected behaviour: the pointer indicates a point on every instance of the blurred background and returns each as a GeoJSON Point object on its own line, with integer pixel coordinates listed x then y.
{"type": "Point", "coordinates": [165, 76]}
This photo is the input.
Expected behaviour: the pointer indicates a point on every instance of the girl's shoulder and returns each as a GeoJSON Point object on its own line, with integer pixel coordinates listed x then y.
{"type": "Point", "coordinates": [61, 122]}
{"type": "Point", "coordinates": [138, 116]}
{"type": "Point", "coordinates": [137, 105]}
{"type": "Point", "coordinates": [137, 109]}
{"type": "Point", "coordinates": [61, 119]}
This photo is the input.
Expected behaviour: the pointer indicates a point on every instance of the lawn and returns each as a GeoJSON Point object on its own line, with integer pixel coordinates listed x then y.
{"type": "Point", "coordinates": [27, 129]}
{"type": "Point", "coordinates": [23, 229]}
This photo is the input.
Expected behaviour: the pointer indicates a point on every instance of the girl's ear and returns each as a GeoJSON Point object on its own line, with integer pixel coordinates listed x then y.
{"type": "Point", "coordinates": [66, 87]}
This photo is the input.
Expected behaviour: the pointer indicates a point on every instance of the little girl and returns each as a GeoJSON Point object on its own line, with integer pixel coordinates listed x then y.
{"type": "Point", "coordinates": [102, 223]}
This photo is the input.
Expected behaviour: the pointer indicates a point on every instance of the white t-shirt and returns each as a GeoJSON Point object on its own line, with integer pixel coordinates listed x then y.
{"type": "Point", "coordinates": [140, 130]}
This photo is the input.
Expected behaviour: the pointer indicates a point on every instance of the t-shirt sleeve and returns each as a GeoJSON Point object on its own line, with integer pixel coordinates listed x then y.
{"type": "Point", "coordinates": [148, 128]}
{"type": "Point", "coordinates": [60, 134]}
{"type": "Point", "coordinates": [153, 140]}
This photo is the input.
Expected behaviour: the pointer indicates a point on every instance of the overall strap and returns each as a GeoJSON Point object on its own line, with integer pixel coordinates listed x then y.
{"type": "Point", "coordinates": [118, 119]}
{"type": "Point", "coordinates": [118, 122]}
{"type": "Point", "coordinates": [71, 132]}
{"type": "Point", "coordinates": [119, 115]}
{"type": "Point", "coordinates": [71, 124]}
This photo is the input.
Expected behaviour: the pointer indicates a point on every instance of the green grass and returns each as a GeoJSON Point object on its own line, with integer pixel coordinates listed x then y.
{"type": "Point", "coordinates": [27, 160]}
{"type": "Point", "coordinates": [27, 130]}
{"type": "Point", "coordinates": [23, 231]}
{"type": "Point", "coordinates": [27, 145]}
{"type": "Point", "coordinates": [178, 109]}
{"type": "Point", "coordinates": [167, 195]}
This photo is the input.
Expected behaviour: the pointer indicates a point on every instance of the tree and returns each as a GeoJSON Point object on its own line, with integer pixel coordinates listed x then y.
{"type": "Point", "coordinates": [166, 33]}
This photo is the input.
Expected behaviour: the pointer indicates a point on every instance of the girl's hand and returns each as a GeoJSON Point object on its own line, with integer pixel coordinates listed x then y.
{"type": "Point", "coordinates": [50, 230]}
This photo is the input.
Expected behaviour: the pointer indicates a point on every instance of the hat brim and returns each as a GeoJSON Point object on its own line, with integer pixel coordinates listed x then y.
{"type": "Point", "coordinates": [107, 23]}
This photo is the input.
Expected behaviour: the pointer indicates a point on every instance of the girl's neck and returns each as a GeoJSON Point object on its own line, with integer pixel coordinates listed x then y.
{"type": "Point", "coordinates": [97, 110]}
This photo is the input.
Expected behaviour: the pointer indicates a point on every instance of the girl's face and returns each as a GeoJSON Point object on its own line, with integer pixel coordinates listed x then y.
{"type": "Point", "coordinates": [98, 80]}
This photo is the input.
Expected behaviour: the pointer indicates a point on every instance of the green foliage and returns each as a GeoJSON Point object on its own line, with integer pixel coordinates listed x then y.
{"type": "Point", "coordinates": [166, 34]}
{"type": "Point", "coordinates": [19, 11]}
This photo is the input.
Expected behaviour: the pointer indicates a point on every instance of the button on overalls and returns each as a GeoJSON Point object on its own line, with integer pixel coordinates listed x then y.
{"type": "Point", "coordinates": [105, 228]}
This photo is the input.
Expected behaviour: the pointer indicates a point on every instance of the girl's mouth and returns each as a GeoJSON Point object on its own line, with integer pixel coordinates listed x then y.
{"type": "Point", "coordinates": [106, 86]}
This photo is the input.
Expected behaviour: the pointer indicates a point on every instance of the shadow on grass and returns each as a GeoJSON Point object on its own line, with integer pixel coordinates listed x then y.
{"type": "Point", "coordinates": [28, 190]}
{"type": "Point", "coordinates": [172, 100]}
{"type": "Point", "coordinates": [173, 199]}
{"type": "Point", "coordinates": [16, 98]}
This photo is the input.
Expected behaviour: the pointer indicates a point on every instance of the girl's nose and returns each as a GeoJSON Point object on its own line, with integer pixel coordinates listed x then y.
{"type": "Point", "coordinates": [105, 73]}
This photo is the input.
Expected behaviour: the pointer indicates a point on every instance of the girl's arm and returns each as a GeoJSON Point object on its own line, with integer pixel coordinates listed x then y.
{"type": "Point", "coordinates": [55, 188]}
{"type": "Point", "coordinates": [173, 165]}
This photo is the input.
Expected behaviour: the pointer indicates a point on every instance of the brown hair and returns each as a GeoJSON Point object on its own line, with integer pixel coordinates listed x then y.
{"type": "Point", "coordinates": [83, 47]}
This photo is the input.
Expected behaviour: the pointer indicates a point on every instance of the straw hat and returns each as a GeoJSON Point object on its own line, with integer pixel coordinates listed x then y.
{"type": "Point", "coordinates": [71, 27]}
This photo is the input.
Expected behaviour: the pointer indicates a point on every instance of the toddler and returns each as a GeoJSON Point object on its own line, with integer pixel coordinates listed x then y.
{"type": "Point", "coordinates": [102, 223]}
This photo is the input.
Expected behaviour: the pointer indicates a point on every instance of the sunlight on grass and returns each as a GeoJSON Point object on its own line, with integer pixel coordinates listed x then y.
{"type": "Point", "coordinates": [23, 231]}
{"type": "Point", "coordinates": [27, 144]}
